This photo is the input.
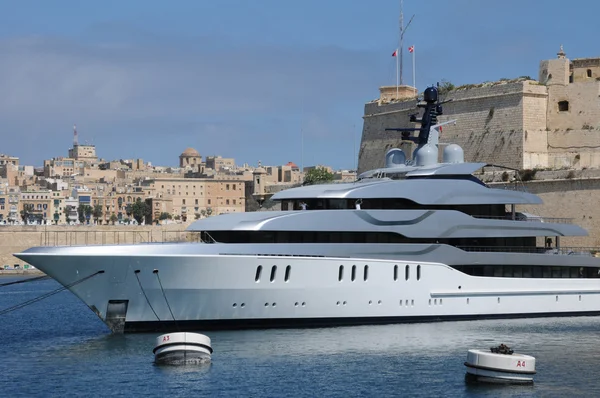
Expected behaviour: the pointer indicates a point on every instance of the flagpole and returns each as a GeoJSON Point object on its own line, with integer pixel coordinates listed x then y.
{"type": "Point", "coordinates": [413, 59]}
{"type": "Point", "coordinates": [397, 74]}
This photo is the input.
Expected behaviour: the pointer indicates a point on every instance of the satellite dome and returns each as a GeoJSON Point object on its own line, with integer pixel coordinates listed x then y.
{"type": "Point", "coordinates": [453, 154]}
{"type": "Point", "coordinates": [426, 155]}
{"type": "Point", "coordinates": [395, 157]}
{"type": "Point", "coordinates": [430, 94]}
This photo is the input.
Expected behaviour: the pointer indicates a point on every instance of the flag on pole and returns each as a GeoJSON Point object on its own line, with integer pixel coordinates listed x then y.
{"type": "Point", "coordinates": [395, 53]}
{"type": "Point", "coordinates": [411, 49]}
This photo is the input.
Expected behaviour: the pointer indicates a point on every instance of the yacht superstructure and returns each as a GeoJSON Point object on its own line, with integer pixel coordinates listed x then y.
{"type": "Point", "coordinates": [416, 240]}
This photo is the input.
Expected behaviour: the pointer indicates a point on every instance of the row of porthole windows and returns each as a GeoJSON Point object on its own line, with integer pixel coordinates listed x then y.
{"type": "Point", "coordinates": [404, 303]}
{"type": "Point", "coordinates": [366, 273]}
{"type": "Point", "coordinates": [353, 273]}
{"type": "Point", "coordinates": [296, 304]}
{"type": "Point", "coordinates": [286, 277]}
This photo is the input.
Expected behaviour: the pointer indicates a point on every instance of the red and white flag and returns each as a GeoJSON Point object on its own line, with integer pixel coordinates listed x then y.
{"type": "Point", "coordinates": [411, 49]}
{"type": "Point", "coordinates": [395, 53]}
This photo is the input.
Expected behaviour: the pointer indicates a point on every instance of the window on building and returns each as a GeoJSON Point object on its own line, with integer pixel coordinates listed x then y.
{"type": "Point", "coordinates": [589, 73]}
{"type": "Point", "coordinates": [196, 202]}
{"type": "Point", "coordinates": [563, 106]}
{"type": "Point", "coordinates": [227, 187]}
{"type": "Point", "coordinates": [227, 201]}
{"type": "Point", "coordinates": [234, 187]}
{"type": "Point", "coordinates": [234, 202]}
{"type": "Point", "coordinates": [208, 201]}
{"type": "Point", "coordinates": [183, 201]}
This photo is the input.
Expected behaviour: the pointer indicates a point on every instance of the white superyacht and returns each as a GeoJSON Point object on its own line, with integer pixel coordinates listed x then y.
{"type": "Point", "coordinates": [412, 242]}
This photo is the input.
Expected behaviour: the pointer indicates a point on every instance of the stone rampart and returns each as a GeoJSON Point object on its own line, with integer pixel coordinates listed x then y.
{"type": "Point", "coordinates": [490, 123]}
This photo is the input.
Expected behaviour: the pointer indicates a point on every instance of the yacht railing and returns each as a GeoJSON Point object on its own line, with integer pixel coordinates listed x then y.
{"type": "Point", "coordinates": [553, 220]}
{"type": "Point", "coordinates": [576, 251]}
{"type": "Point", "coordinates": [120, 237]}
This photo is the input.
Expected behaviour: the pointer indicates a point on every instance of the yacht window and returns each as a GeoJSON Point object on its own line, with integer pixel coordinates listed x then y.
{"type": "Point", "coordinates": [273, 273]}
{"type": "Point", "coordinates": [418, 272]}
{"type": "Point", "coordinates": [353, 277]}
{"type": "Point", "coordinates": [288, 269]}
{"type": "Point", "coordinates": [341, 273]}
{"type": "Point", "coordinates": [526, 271]}
{"type": "Point", "coordinates": [366, 273]}
{"type": "Point", "coordinates": [258, 272]}
{"type": "Point", "coordinates": [395, 272]}
{"type": "Point", "coordinates": [406, 272]}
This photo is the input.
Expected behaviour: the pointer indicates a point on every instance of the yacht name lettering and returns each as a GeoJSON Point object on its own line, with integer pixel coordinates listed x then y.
{"type": "Point", "coordinates": [520, 364]}
{"type": "Point", "coordinates": [166, 338]}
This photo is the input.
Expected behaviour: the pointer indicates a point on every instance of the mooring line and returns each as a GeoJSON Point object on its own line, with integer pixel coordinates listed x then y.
{"type": "Point", "coordinates": [23, 280]}
{"type": "Point", "coordinates": [46, 295]}
{"type": "Point", "coordinates": [136, 272]}
{"type": "Point", "coordinates": [167, 301]}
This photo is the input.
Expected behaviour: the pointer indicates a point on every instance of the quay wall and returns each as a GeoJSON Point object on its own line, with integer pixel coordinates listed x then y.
{"type": "Point", "coordinates": [14, 239]}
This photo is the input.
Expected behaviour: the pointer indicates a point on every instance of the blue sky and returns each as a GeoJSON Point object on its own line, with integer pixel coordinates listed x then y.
{"type": "Point", "coordinates": [242, 79]}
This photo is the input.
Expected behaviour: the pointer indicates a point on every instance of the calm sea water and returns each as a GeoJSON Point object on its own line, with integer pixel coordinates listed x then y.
{"type": "Point", "coordinates": [58, 347]}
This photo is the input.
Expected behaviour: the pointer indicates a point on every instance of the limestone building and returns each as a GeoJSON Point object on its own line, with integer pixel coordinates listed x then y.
{"type": "Point", "coordinates": [189, 196]}
{"type": "Point", "coordinates": [552, 122]}
{"type": "Point", "coordinates": [190, 158]}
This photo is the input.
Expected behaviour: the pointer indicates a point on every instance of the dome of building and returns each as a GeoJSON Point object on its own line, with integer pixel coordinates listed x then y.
{"type": "Point", "coordinates": [190, 152]}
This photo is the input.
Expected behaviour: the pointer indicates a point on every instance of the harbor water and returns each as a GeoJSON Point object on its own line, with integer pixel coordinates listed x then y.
{"type": "Point", "coordinates": [58, 347]}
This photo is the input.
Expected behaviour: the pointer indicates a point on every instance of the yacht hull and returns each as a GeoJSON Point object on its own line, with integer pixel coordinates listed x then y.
{"type": "Point", "coordinates": [162, 287]}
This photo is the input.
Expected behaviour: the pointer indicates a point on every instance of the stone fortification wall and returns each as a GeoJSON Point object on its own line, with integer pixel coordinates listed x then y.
{"type": "Point", "coordinates": [14, 239]}
{"type": "Point", "coordinates": [490, 123]}
{"type": "Point", "coordinates": [582, 107]}
{"type": "Point", "coordinates": [575, 198]}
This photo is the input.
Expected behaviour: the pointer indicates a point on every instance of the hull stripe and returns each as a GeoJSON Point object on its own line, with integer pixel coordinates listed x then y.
{"type": "Point", "coordinates": [265, 323]}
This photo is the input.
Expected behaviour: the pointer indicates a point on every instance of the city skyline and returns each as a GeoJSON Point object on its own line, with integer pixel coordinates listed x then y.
{"type": "Point", "coordinates": [143, 80]}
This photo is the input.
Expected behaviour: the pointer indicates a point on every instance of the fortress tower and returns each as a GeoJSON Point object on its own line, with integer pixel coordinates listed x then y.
{"type": "Point", "coordinates": [520, 123]}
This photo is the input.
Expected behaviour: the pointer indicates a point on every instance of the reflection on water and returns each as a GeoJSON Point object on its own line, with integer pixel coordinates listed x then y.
{"type": "Point", "coordinates": [59, 346]}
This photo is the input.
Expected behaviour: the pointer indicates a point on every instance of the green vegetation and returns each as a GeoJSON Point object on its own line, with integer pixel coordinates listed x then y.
{"type": "Point", "coordinates": [97, 212]}
{"type": "Point", "coordinates": [140, 210]}
{"type": "Point", "coordinates": [446, 87]}
{"type": "Point", "coordinates": [165, 216]}
{"type": "Point", "coordinates": [84, 212]}
{"type": "Point", "coordinates": [27, 212]}
{"type": "Point", "coordinates": [318, 175]}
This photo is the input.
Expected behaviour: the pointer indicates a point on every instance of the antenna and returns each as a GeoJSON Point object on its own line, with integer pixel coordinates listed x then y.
{"type": "Point", "coordinates": [75, 139]}
{"type": "Point", "coordinates": [354, 142]}
{"type": "Point", "coordinates": [402, 30]}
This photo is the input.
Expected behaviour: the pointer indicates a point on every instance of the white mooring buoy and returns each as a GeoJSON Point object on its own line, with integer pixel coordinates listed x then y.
{"type": "Point", "coordinates": [500, 365]}
{"type": "Point", "coordinates": [182, 349]}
